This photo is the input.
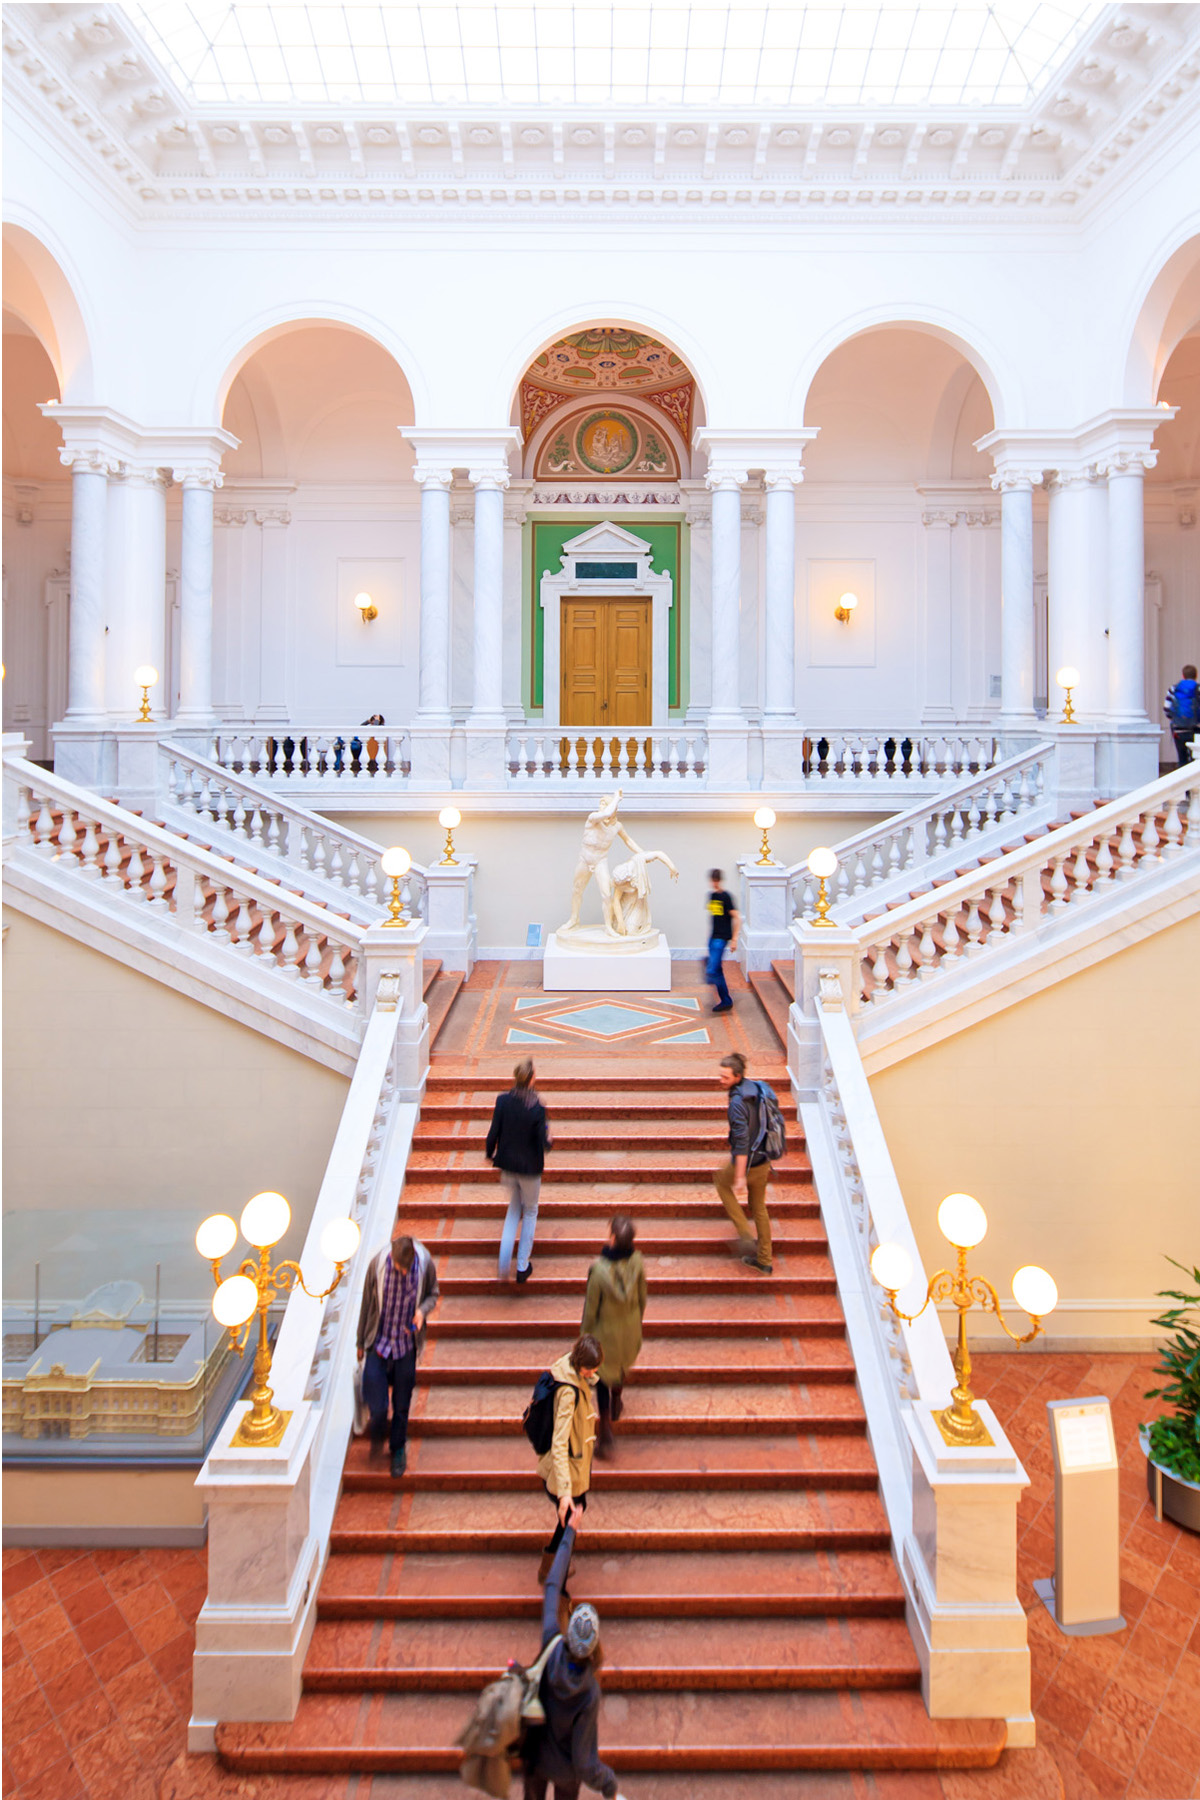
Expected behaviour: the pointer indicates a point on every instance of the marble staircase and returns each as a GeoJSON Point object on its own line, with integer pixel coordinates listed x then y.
{"type": "Point", "coordinates": [736, 1545]}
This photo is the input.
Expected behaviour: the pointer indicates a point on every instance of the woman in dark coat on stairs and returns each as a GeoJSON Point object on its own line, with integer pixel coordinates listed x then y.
{"type": "Point", "coordinates": [612, 1312]}
{"type": "Point", "coordinates": [563, 1750]}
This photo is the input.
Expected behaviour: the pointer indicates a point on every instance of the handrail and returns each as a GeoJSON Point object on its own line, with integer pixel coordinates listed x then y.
{"type": "Point", "coordinates": [272, 826]}
{"type": "Point", "coordinates": [949, 822]}
{"type": "Point", "coordinates": [318, 948]}
{"type": "Point", "coordinates": [917, 939]}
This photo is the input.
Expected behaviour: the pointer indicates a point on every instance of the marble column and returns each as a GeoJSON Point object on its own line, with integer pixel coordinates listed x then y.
{"type": "Point", "coordinates": [1127, 586]}
{"type": "Point", "coordinates": [434, 681]}
{"type": "Point", "coordinates": [779, 687]}
{"type": "Point", "coordinates": [89, 535]}
{"type": "Point", "coordinates": [196, 597]}
{"type": "Point", "coordinates": [939, 616]}
{"type": "Point", "coordinates": [1075, 582]}
{"type": "Point", "coordinates": [1016, 596]}
{"type": "Point", "coordinates": [726, 489]}
{"type": "Point", "coordinates": [136, 583]}
{"type": "Point", "coordinates": [487, 705]}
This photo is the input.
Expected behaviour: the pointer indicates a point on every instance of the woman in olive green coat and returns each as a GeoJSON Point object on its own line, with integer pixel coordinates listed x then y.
{"type": "Point", "coordinates": [612, 1313]}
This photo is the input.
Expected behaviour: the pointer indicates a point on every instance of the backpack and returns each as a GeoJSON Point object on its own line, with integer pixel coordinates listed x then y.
{"type": "Point", "coordinates": [537, 1421]}
{"type": "Point", "coordinates": [503, 1711]}
{"type": "Point", "coordinates": [771, 1140]}
{"type": "Point", "coordinates": [1182, 709]}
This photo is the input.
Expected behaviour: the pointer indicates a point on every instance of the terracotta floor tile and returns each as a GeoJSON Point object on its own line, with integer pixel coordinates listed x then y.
{"type": "Point", "coordinates": [85, 1602]}
{"type": "Point", "coordinates": [83, 1720]}
{"type": "Point", "coordinates": [25, 1714]}
{"type": "Point", "coordinates": [30, 1757]}
{"type": "Point", "coordinates": [56, 1658]}
{"type": "Point", "coordinates": [120, 1653]}
{"type": "Point", "coordinates": [1168, 1621]}
{"type": "Point", "coordinates": [1120, 1729]}
{"type": "Point", "coordinates": [1157, 1778]}
{"type": "Point", "coordinates": [44, 1628]}
{"type": "Point", "coordinates": [1065, 1710]}
{"type": "Point", "coordinates": [33, 1598]}
{"type": "Point", "coordinates": [160, 1628]}
{"type": "Point", "coordinates": [1179, 1742]}
{"type": "Point", "coordinates": [1109, 1783]}
{"type": "Point", "coordinates": [22, 1571]}
{"type": "Point", "coordinates": [59, 1782]}
{"type": "Point", "coordinates": [174, 1658]}
{"type": "Point", "coordinates": [139, 1604]}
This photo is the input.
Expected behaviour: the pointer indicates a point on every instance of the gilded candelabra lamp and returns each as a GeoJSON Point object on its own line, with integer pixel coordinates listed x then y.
{"type": "Point", "coordinates": [145, 675]}
{"type": "Point", "coordinates": [449, 819]}
{"type": "Point", "coordinates": [255, 1288]}
{"type": "Point", "coordinates": [395, 863]}
{"type": "Point", "coordinates": [764, 818]}
{"type": "Point", "coordinates": [963, 1222]}
{"type": "Point", "coordinates": [822, 863]}
{"type": "Point", "coordinates": [1068, 679]}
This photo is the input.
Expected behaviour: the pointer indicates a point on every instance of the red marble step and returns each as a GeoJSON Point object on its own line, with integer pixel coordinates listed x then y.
{"type": "Point", "coordinates": [711, 1137]}
{"type": "Point", "coordinates": [571, 1282]}
{"type": "Point", "coordinates": [679, 1409]}
{"type": "Point", "coordinates": [603, 1199]}
{"type": "Point", "coordinates": [552, 1078]}
{"type": "Point", "coordinates": [726, 1584]}
{"type": "Point", "coordinates": [633, 1109]}
{"type": "Point", "coordinates": [492, 1523]}
{"type": "Point", "coordinates": [507, 1310]}
{"type": "Point", "coordinates": [774, 1002]}
{"type": "Point", "coordinates": [440, 996]}
{"type": "Point", "coordinates": [431, 968]}
{"type": "Point", "coordinates": [561, 1226]}
{"type": "Point", "coordinates": [558, 1239]}
{"type": "Point", "coordinates": [468, 1164]}
{"type": "Point", "coordinates": [808, 1460]}
{"type": "Point", "coordinates": [785, 974]}
{"type": "Point", "coordinates": [677, 1732]}
{"type": "Point", "coordinates": [661, 1359]}
{"type": "Point", "coordinates": [440, 1656]}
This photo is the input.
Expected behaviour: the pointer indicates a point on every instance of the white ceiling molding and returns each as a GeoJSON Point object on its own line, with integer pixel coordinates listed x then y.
{"type": "Point", "coordinates": [1123, 84]}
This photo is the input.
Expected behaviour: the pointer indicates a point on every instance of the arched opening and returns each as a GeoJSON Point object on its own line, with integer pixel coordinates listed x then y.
{"type": "Point", "coordinates": [606, 415]}
{"type": "Point", "coordinates": [37, 529]}
{"type": "Point", "coordinates": [897, 508]}
{"type": "Point", "coordinates": [38, 293]}
{"type": "Point", "coordinates": [1172, 513]}
{"type": "Point", "coordinates": [318, 506]}
{"type": "Point", "coordinates": [1169, 312]}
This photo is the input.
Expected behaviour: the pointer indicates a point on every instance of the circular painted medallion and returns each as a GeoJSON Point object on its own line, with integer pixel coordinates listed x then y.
{"type": "Point", "coordinates": [606, 442]}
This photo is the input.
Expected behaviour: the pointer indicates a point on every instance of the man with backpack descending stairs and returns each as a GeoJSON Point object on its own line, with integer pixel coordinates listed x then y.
{"type": "Point", "coordinates": [757, 1138]}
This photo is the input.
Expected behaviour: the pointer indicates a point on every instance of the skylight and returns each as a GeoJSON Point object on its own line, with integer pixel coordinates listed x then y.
{"type": "Point", "coordinates": [614, 52]}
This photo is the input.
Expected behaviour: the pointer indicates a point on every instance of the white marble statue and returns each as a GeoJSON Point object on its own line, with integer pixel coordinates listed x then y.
{"type": "Point", "coordinates": [624, 891]}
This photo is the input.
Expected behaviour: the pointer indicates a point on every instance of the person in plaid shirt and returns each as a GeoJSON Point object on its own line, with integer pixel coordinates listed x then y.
{"type": "Point", "coordinates": [399, 1293]}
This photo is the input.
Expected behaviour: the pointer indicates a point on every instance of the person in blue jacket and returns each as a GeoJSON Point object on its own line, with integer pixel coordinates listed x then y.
{"type": "Point", "coordinates": [563, 1750]}
{"type": "Point", "coordinates": [1182, 708]}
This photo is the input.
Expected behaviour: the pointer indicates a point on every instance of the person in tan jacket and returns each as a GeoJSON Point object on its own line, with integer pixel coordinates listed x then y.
{"type": "Point", "coordinates": [566, 1468]}
{"type": "Point", "coordinates": [612, 1312]}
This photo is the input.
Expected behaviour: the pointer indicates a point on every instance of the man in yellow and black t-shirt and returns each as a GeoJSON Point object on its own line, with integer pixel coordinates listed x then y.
{"type": "Point", "coordinates": [725, 922]}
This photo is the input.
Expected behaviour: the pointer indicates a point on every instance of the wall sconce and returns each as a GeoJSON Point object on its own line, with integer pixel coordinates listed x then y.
{"type": "Point", "coordinates": [366, 607]}
{"type": "Point", "coordinates": [822, 863]}
{"type": "Point", "coordinates": [764, 818]}
{"type": "Point", "coordinates": [256, 1287]}
{"type": "Point", "coordinates": [1067, 679]}
{"type": "Point", "coordinates": [449, 819]}
{"type": "Point", "coordinates": [395, 863]}
{"type": "Point", "coordinates": [963, 1223]}
{"type": "Point", "coordinates": [844, 608]}
{"type": "Point", "coordinates": [146, 675]}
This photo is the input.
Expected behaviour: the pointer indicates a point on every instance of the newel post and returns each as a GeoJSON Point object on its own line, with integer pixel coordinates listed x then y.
{"type": "Point", "coordinates": [452, 934]}
{"type": "Point", "coordinates": [827, 966]}
{"type": "Point", "coordinates": [392, 975]}
{"type": "Point", "coordinates": [766, 917]}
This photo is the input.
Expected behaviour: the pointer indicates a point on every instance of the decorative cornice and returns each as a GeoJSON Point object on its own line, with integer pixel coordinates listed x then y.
{"type": "Point", "coordinates": [639, 496]}
{"type": "Point", "coordinates": [88, 75]}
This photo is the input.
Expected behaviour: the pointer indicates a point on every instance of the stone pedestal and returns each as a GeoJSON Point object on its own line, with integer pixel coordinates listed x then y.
{"type": "Point", "coordinates": [783, 755]}
{"type": "Point", "coordinates": [591, 968]}
{"type": "Point", "coordinates": [961, 1561]}
{"type": "Point", "coordinates": [430, 755]}
{"type": "Point", "coordinates": [728, 762]}
{"type": "Point", "coordinates": [451, 933]}
{"type": "Point", "coordinates": [1127, 758]}
{"type": "Point", "coordinates": [766, 934]}
{"type": "Point", "coordinates": [253, 1630]}
{"type": "Point", "coordinates": [826, 966]}
{"type": "Point", "coordinates": [486, 754]}
{"type": "Point", "coordinates": [1075, 773]}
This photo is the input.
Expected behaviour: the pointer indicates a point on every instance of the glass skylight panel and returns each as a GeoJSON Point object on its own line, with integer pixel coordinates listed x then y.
{"type": "Point", "coordinates": [623, 52]}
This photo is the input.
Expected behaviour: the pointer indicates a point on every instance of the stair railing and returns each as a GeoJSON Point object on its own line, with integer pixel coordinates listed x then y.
{"type": "Point", "coordinates": [571, 754]}
{"type": "Point", "coordinates": [1015, 894]}
{"type": "Point", "coordinates": [261, 1603]}
{"type": "Point", "coordinates": [969, 1631]}
{"type": "Point", "coordinates": [951, 821]}
{"type": "Point", "coordinates": [264, 824]}
{"type": "Point", "coordinates": [158, 873]}
{"type": "Point", "coordinates": [853, 757]}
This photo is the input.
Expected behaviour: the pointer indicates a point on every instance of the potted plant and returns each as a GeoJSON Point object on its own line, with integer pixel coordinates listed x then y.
{"type": "Point", "coordinates": [1172, 1443]}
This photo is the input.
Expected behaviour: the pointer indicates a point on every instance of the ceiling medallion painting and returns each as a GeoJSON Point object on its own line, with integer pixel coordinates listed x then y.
{"type": "Point", "coordinates": [612, 444]}
{"type": "Point", "coordinates": [608, 357]}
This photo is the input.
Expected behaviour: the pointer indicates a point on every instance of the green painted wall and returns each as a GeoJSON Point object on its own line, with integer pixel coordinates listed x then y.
{"type": "Point", "coordinates": [543, 547]}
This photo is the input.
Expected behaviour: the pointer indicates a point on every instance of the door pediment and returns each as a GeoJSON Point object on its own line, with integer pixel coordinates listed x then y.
{"type": "Point", "coordinates": [602, 543]}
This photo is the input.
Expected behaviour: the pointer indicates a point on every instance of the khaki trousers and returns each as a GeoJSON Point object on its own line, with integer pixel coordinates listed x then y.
{"type": "Point", "coordinates": [756, 1184]}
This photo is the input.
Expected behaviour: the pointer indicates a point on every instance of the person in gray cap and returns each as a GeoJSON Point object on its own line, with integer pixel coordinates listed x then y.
{"type": "Point", "coordinates": [563, 1750]}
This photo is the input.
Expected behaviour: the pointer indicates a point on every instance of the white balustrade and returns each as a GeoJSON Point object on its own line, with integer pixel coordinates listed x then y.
{"type": "Point", "coordinates": [304, 756]}
{"type": "Point", "coordinates": [953, 820]}
{"type": "Point", "coordinates": [659, 757]}
{"type": "Point", "coordinates": [145, 866]}
{"type": "Point", "coordinates": [893, 758]}
{"type": "Point", "coordinates": [255, 824]}
{"type": "Point", "coordinates": [1016, 893]}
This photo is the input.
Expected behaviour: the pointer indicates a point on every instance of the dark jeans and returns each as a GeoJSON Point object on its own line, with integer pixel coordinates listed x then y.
{"type": "Point", "coordinates": [536, 1785]}
{"type": "Point", "coordinates": [608, 1399]}
{"type": "Point", "coordinates": [1183, 742]}
{"type": "Point", "coordinates": [714, 974]}
{"type": "Point", "coordinates": [559, 1527]}
{"type": "Point", "coordinates": [397, 1375]}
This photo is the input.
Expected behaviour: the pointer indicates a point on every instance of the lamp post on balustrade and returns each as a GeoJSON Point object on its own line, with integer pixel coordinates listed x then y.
{"type": "Point", "coordinates": [256, 1287]}
{"type": "Point", "coordinates": [963, 1223]}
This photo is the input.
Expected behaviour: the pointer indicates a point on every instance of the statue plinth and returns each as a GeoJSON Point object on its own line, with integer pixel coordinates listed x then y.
{"type": "Point", "coordinates": [587, 961]}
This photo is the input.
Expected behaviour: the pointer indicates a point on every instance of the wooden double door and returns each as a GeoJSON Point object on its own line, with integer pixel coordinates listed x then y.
{"type": "Point", "coordinates": [605, 659]}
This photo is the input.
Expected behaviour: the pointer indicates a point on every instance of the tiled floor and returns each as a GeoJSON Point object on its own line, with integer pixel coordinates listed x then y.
{"type": "Point", "coordinates": [97, 1670]}
{"type": "Point", "coordinates": [1121, 1714]}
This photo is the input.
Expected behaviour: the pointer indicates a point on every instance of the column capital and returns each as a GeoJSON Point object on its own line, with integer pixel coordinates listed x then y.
{"type": "Point", "coordinates": [455, 447]}
{"type": "Point", "coordinates": [724, 480]}
{"type": "Point", "coordinates": [1126, 461]}
{"type": "Point", "coordinates": [777, 451]}
{"type": "Point", "coordinates": [1012, 478]}
{"type": "Point", "coordinates": [101, 435]}
{"type": "Point", "coordinates": [426, 477]}
{"type": "Point", "coordinates": [494, 479]}
{"type": "Point", "coordinates": [197, 475]}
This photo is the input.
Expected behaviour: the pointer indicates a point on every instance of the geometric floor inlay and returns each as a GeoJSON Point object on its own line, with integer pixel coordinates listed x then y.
{"type": "Point", "coordinates": [609, 1021]}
